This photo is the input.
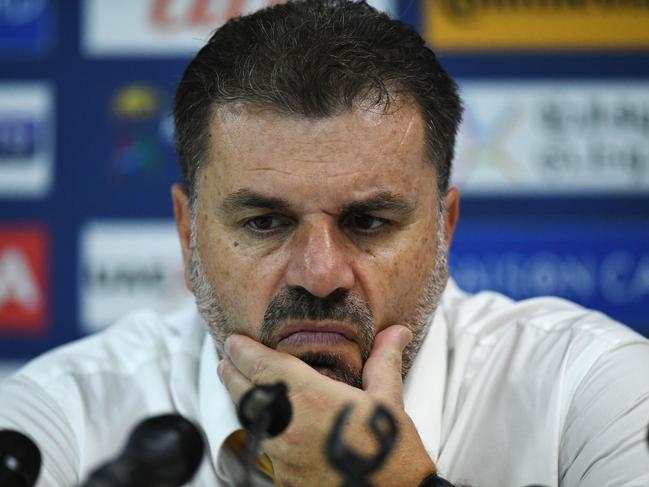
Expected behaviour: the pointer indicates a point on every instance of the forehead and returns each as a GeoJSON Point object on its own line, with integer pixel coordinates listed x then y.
{"type": "Point", "coordinates": [356, 151]}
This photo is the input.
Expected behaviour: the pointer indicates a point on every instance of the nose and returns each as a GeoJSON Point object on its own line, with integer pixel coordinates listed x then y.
{"type": "Point", "coordinates": [319, 262]}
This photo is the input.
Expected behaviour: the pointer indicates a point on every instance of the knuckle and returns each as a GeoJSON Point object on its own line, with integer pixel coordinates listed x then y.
{"type": "Point", "coordinates": [260, 370]}
{"type": "Point", "coordinates": [225, 371]}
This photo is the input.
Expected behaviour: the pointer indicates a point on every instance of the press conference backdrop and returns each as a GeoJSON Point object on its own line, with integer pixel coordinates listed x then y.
{"type": "Point", "coordinates": [553, 155]}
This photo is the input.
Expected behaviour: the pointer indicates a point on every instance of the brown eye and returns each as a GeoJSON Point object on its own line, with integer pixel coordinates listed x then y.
{"type": "Point", "coordinates": [266, 224]}
{"type": "Point", "coordinates": [263, 223]}
{"type": "Point", "coordinates": [365, 223]}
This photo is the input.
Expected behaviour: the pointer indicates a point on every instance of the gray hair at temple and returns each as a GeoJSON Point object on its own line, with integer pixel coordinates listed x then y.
{"type": "Point", "coordinates": [315, 59]}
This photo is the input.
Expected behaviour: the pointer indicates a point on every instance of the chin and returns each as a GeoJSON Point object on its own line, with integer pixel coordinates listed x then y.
{"type": "Point", "coordinates": [334, 366]}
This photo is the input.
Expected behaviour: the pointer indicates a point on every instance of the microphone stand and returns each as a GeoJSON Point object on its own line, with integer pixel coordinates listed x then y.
{"type": "Point", "coordinates": [252, 446]}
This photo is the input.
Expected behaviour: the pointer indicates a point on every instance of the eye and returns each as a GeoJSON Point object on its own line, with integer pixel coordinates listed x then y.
{"type": "Point", "coordinates": [365, 223]}
{"type": "Point", "coordinates": [265, 223]}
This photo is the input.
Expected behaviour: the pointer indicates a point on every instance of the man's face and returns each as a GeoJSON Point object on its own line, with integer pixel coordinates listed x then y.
{"type": "Point", "coordinates": [311, 236]}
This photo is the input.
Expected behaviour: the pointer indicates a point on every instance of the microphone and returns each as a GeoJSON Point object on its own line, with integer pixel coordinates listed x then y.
{"type": "Point", "coordinates": [265, 411]}
{"type": "Point", "coordinates": [162, 451]}
{"type": "Point", "coordinates": [20, 460]}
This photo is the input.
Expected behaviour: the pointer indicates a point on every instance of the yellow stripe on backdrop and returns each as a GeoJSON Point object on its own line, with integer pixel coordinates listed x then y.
{"type": "Point", "coordinates": [537, 24]}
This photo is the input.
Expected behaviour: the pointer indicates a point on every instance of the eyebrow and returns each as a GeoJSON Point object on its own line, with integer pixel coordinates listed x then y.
{"type": "Point", "coordinates": [247, 199]}
{"type": "Point", "coordinates": [382, 201]}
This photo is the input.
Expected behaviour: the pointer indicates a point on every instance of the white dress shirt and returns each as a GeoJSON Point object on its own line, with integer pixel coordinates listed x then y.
{"type": "Point", "coordinates": [502, 393]}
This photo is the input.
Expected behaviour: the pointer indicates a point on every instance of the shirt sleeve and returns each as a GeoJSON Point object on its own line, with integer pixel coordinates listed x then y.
{"type": "Point", "coordinates": [27, 408]}
{"type": "Point", "coordinates": [604, 440]}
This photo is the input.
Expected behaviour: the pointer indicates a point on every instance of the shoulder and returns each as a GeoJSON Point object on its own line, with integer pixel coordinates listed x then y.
{"type": "Point", "coordinates": [140, 339]}
{"type": "Point", "coordinates": [535, 345]}
{"type": "Point", "coordinates": [487, 318]}
{"type": "Point", "coordinates": [79, 401]}
{"type": "Point", "coordinates": [543, 375]}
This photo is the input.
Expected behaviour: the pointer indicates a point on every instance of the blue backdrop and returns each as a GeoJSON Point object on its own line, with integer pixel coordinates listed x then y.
{"type": "Point", "coordinates": [112, 160]}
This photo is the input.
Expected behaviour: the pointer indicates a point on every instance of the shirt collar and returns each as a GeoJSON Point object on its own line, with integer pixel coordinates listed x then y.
{"type": "Point", "coordinates": [217, 412]}
{"type": "Point", "coordinates": [425, 385]}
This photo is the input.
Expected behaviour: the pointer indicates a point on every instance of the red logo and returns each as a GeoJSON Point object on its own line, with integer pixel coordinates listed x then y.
{"type": "Point", "coordinates": [211, 13]}
{"type": "Point", "coordinates": [24, 274]}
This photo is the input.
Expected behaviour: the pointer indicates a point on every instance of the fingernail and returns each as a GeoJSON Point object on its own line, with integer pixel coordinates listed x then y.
{"type": "Point", "coordinates": [404, 338]}
{"type": "Point", "coordinates": [226, 346]}
{"type": "Point", "coordinates": [219, 369]}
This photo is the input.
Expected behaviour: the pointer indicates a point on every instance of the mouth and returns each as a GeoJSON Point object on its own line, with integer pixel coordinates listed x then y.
{"type": "Point", "coordinates": [333, 348]}
{"type": "Point", "coordinates": [317, 334]}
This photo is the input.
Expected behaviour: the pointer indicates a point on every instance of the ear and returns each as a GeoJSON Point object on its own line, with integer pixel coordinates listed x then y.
{"type": "Point", "coordinates": [182, 213]}
{"type": "Point", "coordinates": [452, 214]}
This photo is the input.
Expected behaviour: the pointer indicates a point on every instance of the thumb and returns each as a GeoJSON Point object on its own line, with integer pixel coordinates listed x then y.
{"type": "Point", "coordinates": [382, 371]}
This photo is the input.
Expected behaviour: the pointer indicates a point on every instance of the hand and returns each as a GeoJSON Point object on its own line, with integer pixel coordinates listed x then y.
{"type": "Point", "coordinates": [298, 454]}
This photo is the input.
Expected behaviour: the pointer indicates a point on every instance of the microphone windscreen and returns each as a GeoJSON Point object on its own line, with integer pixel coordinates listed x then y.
{"type": "Point", "coordinates": [163, 451]}
{"type": "Point", "coordinates": [266, 405]}
{"type": "Point", "coordinates": [20, 460]}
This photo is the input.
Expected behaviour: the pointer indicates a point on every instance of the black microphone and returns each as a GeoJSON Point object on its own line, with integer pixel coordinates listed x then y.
{"type": "Point", "coordinates": [265, 411]}
{"type": "Point", "coordinates": [163, 451]}
{"type": "Point", "coordinates": [20, 460]}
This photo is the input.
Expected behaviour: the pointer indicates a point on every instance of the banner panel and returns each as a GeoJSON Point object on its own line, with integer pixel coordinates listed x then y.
{"type": "Point", "coordinates": [537, 24]}
{"type": "Point", "coordinates": [24, 279]}
{"type": "Point", "coordinates": [162, 27]}
{"type": "Point", "coordinates": [550, 137]}
{"type": "Point", "coordinates": [601, 266]}
{"type": "Point", "coordinates": [26, 139]}
{"type": "Point", "coordinates": [127, 265]}
{"type": "Point", "coordinates": [25, 26]}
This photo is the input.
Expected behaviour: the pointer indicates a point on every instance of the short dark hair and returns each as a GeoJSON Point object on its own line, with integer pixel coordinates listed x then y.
{"type": "Point", "coordinates": [315, 58]}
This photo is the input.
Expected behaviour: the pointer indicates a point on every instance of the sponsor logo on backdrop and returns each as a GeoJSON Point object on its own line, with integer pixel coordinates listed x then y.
{"type": "Point", "coordinates": [553, 137]}
{"type": "Point", "coordinates": [128, 265]}
{"type": "Point", "coordinates": [26, 139]}
{"type": "Point", "coordinates": [162, 27]}
{"type": "Point", "coordinates": [536, 24]}
{"type": "Point", "coordinates": [25, 25]}
{"type": "Point", "coordinates": [24, 274]}
{"type": "Point", "coordinates": [143, 141]}
{"type": "Point", "coordinates": [618, 277]}
{"type": "Point", "coordinates": [605, 268]}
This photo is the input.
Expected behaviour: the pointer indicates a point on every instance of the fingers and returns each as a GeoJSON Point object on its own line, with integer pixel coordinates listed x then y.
{"type": "Point", "coordinates": [234, 381]}
{"type": "Point", "coordinates": [261, 364]}
{"type": "Point", "coordinates": [382, 371]}
{"type": "Point", "coordinates": [248, 362]}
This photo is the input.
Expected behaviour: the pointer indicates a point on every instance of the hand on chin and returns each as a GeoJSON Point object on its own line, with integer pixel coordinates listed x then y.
{"type": "Point", "coordinates": [298, 453]}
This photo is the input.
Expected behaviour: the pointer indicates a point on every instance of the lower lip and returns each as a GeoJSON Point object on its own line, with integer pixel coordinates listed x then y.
{"type": "Point", "coordinates": [314, 338]}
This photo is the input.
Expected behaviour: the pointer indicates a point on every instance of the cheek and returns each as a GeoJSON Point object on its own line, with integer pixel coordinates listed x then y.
{"type": "Point", "coordinates": [401, 277]}
{"type": "Point", "coordinates": [241, 287]}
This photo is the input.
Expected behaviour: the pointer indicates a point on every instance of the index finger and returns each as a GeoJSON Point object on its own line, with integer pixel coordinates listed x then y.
{"type": "Point", "coordinates": [259, 363]}
{"type": "Point", "coordinates": [382, 371]}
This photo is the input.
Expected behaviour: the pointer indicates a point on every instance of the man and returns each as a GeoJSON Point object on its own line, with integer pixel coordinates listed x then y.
{"type": "Point", "coordinates": [316, 140]}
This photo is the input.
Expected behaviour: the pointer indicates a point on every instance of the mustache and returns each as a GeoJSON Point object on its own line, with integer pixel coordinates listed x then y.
{"type": "Point", "coordinates": [299, 304]}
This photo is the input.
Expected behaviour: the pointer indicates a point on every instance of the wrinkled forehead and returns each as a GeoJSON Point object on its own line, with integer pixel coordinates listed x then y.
{"type": "Point", "coordinates": [310, 165]}
{"type": "Point", "coordinates": [243, 136]}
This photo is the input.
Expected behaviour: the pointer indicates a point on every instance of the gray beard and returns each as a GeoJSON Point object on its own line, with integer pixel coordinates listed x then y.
{"type": "Point", "coordinates": [221, 324]}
